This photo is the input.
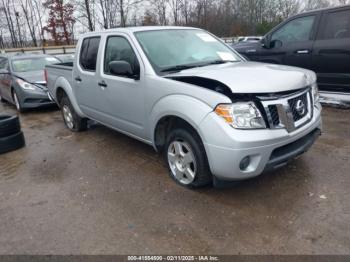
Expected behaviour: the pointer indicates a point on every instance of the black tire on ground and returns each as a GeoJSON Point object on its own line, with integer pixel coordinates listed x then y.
{"type": "Point", "coordinates": [203, 175]}
{"type": "Point", "coordinates": [79, 124]}
{"type": "Point", "coordinates": [12, 142]}
{"type": "Point", "coordinates": [9, 125]}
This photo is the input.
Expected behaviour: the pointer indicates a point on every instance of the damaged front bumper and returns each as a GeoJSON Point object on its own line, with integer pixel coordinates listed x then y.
{"type": "Point", "coordinates": [266, 149]}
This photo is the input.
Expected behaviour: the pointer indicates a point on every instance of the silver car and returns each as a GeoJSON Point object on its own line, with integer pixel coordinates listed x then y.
{"type": "Point", "coordinates": [213, 115]}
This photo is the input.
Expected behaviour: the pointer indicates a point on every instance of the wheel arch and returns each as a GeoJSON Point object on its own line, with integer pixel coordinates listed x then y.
{"type": "Point", "coordinates": [63, 87]}
{"type": "Point", "coordinates": [60, 93]}
{"type": "Point", "coordinates": [165, 125]}
{"type": "Point", "coordinates": [177, 111]}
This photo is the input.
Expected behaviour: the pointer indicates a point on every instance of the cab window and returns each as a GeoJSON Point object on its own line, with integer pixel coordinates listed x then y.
{"type": "Point", "coordinates": [119, 49]}
{"type": "Point", "coordinates": [88, 53]}
{"type": "Point", "coordinates": [296, 30]}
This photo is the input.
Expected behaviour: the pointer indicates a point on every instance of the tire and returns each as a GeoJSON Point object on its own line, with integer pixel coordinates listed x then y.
{"type": "Point", "coordinates": [12, 142]}
{"type": "Point", "coordinates": [71, 119]}
{"type": "Point", "coordinates": [189, 158]}
{"type": "Point", "coordinates": [9, 125]}
{"type": "Point", "coordinates": [17, 102]}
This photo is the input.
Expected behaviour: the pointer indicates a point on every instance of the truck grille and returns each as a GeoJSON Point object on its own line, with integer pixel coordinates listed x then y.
{"type": "Point", "coordinates": [293, 104]}
{"type": "Point", "coordinates": [289, 111]}
{"type": "Point", "coordinates": [274, 115]}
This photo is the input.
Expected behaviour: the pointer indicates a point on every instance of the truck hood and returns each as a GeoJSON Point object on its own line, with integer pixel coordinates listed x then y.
{"type": "Point", "coordinates": [253, 77]}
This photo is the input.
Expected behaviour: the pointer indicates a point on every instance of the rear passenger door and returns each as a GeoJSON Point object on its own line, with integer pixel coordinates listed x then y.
{"type": "Point", "coordinates": [331, 59]}
{"type": "Point", "coordinates": [85, 77]}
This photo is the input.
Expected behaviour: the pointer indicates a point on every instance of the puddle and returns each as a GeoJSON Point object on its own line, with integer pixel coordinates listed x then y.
{"type": "Point", "coordinates": [9, 166]}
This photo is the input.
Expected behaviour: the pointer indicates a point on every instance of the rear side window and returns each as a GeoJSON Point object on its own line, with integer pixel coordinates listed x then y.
{"type": "Point", "coordinates": [88, 53]}
{"type": "Point", "coordinates": [336, 25]}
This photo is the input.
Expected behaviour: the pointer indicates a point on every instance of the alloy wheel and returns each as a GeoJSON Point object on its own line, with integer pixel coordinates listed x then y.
{"type": "Point", "coordinates": [182, 162]}
{"type": "Point", "coordinates": [68, 117]}
{"type": "Point", "coordinates": [18, 106]}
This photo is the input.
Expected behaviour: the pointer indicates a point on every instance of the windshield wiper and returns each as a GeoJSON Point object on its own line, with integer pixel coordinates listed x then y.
{"type": "Point", "coordinates": [178, 68]}
{"type": "Point", "coordinates": [218, 62]}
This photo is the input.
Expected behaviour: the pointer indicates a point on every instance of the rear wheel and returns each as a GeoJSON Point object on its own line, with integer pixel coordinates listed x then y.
{"type": "Point", "coordinates": [74, 122]}
{"type": "Point", "coordinates": [186, 159]}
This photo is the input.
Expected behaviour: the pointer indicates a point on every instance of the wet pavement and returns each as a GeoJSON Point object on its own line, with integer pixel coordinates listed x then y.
{"type": "Point", "coordinates": [100, 192]}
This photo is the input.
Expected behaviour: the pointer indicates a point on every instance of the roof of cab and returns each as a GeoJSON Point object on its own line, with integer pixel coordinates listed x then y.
{"type": "Point", "coordinates": [138, 29]}
{"type": "Point", "coordinates": [324, 9]}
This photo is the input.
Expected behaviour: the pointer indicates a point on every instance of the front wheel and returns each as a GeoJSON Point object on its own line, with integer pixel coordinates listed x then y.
{"type": "Point", "coordinates": [1, 98]}
{"type": "Point", "coordinates": [186, 159]}
{"type": "Point", "coordinates": [74, 122]}
{"type": "Point", "coordinates": [17, 102]}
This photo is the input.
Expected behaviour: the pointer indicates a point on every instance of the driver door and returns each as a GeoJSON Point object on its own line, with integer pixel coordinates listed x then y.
{"type": "Point", "coordinates": [123, 96]}
{"type": "Point", "coordinates": [292, 43]}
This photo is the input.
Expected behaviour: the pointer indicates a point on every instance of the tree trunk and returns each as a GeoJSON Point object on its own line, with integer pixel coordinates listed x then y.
{"type": "Point", "coordinates": [31, 29]}
{"type": "Point", "coordinates": [88, 13]}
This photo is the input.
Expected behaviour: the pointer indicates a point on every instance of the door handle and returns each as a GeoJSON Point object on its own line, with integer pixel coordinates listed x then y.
{"type": "Point", "coordinates": [102, 84]}
{"type": "Point", "coordinates": [303, 52]}
{"type": "Point", "coordinates": [78, 79]}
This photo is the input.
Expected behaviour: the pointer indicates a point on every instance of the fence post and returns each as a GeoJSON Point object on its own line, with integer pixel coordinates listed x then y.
{"type": "Point", "coordinates": [64, 50]}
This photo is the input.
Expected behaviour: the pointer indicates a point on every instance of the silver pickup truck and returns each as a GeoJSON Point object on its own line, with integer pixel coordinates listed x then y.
{"type": "Point", "coordinates": [214, 115]}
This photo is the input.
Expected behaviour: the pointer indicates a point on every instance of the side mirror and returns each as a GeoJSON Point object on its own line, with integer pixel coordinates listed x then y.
{"type": "Point", "coordinates": [122, 68]}
{"type": "Point", "coordinates": [4, 71]}
{"type": "Point", "coordinates": [265, 42]}
{"type": "Point", "coordinates": [276, 43]}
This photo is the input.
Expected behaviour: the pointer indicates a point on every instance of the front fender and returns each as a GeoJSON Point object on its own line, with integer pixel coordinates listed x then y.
{"type": "Point", "coordinates": [62, 82]}
{"type": "Point", "coordinates": [186, 107]}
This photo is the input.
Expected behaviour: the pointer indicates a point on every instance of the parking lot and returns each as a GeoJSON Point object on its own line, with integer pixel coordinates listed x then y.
{"type": "Point", "coordinates": [100, 192]}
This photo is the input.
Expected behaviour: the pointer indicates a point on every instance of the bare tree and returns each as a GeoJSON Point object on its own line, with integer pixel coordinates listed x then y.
{"type": "Point", "coordinates": [88, 15]}
{"type": "Point", "coordinates": [6, 9]}
{"type": "Point", "coordinates": [85, 14]}
{"type": "Point", "coordinates": [27, 8]}
{"type": "Point", "coordinates": [124, 7]}
{"type": "Point", "coordinates": [175, 6]}
{"type": "Point", "coordinates": [22, 21]}
{"type": "Point", "coordinates": [161, 7]}
{"type": "Point", "coordinates": [316, 4]}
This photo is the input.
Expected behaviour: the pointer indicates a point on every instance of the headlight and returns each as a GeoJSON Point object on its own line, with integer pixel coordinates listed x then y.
{"type": "Point", "coordinates": [25, 85]}
{"type": "Point", "coordinates": [241, 115]}
{"type": "Point", "coordinates": [315, 93]}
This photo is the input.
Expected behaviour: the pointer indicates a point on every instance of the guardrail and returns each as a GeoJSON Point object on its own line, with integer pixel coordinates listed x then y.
{"type": "Point", "coordinates": [51, 50]}
{"type": "Point", "coordinates": [56, 50]}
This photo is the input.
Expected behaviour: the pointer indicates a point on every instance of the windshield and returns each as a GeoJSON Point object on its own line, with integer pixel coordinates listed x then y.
{"type": "Point", "coordinates": [169, 50]}
{"type": "Point", "coordinates": [33, 64]}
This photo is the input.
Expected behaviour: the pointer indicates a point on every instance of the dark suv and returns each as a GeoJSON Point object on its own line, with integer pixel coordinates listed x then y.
{"type": "Point", "coordinates": [318, 40]}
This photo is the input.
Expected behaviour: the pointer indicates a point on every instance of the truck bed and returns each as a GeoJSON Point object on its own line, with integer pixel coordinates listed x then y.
{"type": "Point", "coordinates": [58, 72]}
